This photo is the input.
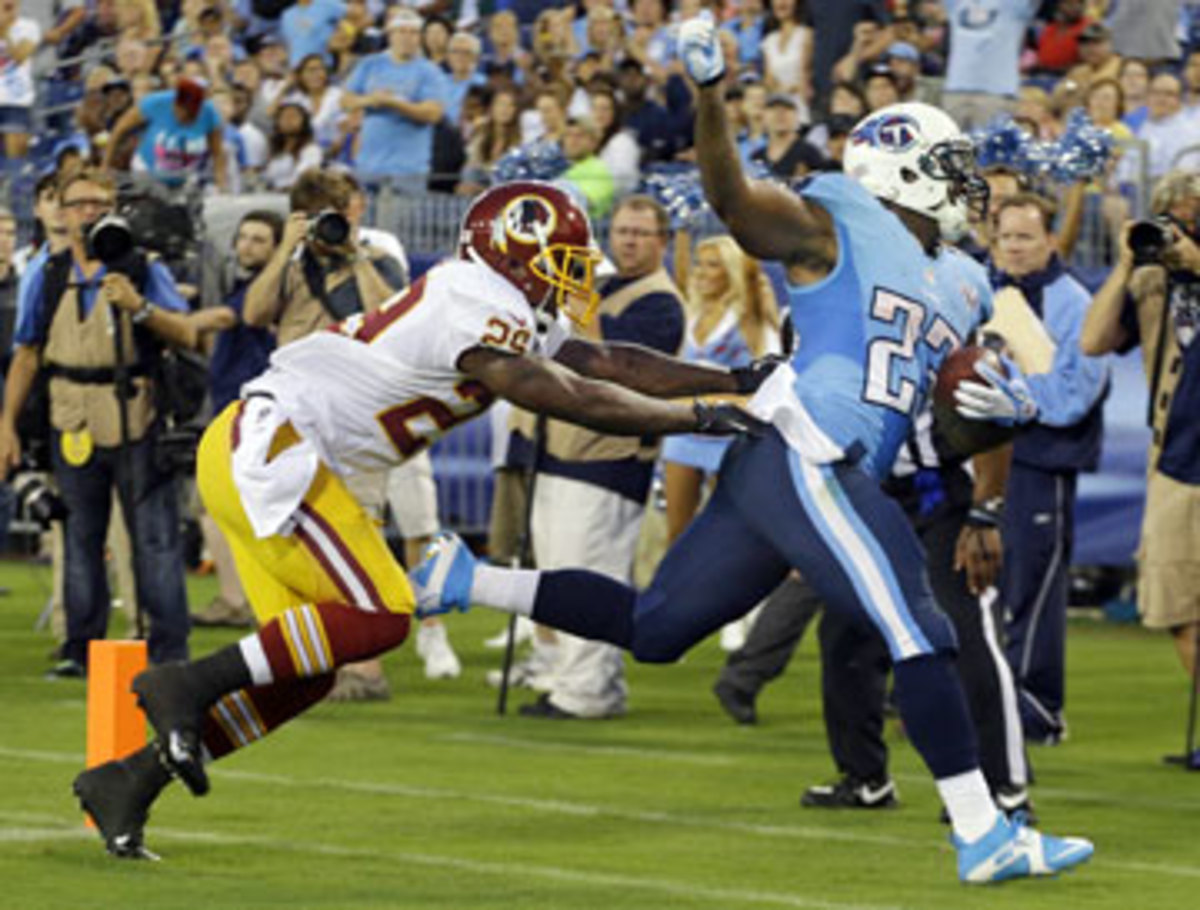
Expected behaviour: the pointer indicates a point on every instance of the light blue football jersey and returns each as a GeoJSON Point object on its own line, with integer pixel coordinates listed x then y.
{"type": "Point", "coordinates": [870, 336]}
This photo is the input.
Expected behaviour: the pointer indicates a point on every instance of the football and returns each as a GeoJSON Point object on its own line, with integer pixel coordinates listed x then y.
{"type": "Point", "coordinates": [965, 437]}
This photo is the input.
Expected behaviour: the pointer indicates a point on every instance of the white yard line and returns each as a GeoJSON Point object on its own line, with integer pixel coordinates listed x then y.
{"type": "Point", "coordinates": [578, 809]}
{"type": "Point", "coordinates": [739, 897]}
{"type": "Point", "coordinates": [513, 742]}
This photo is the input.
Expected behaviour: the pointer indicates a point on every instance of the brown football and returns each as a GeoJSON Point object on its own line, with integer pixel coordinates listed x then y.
{"type": "Point", "coordinates": [965, 437]}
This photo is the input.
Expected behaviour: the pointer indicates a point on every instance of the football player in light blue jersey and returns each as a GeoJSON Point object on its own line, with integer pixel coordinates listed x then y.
{"type": "Point", "coordinates": [877, 301]}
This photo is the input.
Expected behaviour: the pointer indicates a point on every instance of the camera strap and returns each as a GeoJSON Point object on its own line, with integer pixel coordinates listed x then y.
{"type": "Point", "coordinates": [340, 305]}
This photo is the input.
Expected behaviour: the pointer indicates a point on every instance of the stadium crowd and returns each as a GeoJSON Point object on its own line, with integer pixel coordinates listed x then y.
{"type": "Point", "coordinates": [323, 105]}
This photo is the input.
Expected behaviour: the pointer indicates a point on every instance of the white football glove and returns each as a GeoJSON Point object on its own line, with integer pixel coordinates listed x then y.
{"type": "Point", "coordinates": [700, 50]}
{"type": "Point", "coordinates": [1005, 400]}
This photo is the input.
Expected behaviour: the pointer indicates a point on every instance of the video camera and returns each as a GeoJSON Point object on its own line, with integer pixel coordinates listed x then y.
{"type": "Point", "coordinates": [1150, 239]}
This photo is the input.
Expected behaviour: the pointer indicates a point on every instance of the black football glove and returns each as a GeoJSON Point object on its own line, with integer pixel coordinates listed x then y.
{"type": "Point", "coordinates": [755, 373]}
{"type": "Point", "coordinates": [726, 420]}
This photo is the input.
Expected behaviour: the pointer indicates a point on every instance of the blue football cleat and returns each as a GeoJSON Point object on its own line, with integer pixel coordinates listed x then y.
{"type": "Point", "coordinates": [442, 581]}
{"type": "Point", "coordinates": [1012, 850]}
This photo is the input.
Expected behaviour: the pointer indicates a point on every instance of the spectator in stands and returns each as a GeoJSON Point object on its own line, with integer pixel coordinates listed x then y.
{"type": "Point", "coordinates": [1156, 305]}
{"type": "Point", "coordinates": [1097, 58]}
{"type": "Point", "coordinates": [982, 72]}
{"type": "Point", "coordinates": [217, 55]}
{"type": "Point", "coordinates": [271, 57]}
{"type": "Point", "coordinates": [247, 74]}
{"type": "Point", "coordinates": [181, 136]}
{"type": "Point", "coordinates": [787, 51]}
{"type": "Point", "coordinates": [752, 134]}
{"type": "Point", "coordinates": [587, 172]}
{"type": "Point", "coordinates": [462, 59]}
{"type": "Point", "coordinates": [403, 95]}
{"type": "Point", "coordinates": [650, 122]}
{"type": "Point", "coordinates": [1146, 29]}
{"type": "Point", "coordinates": [435, 40]}
{"type": "Point", "coordinates": [904, 61]}
{"type": "Point", "coordinates": [548, 117]}
{"type": "Point", "coordinates": [618, 147]}
{"type": "Point", "coordinates": [239, 352]}
{"type": "Point", "coordinates": [1191, 84]}
{"type": "Point", "coordinates": [64, 325]}
{"type": "Point", "coordinates": [19, 38]}
{"type": "Point", "coordinates": [747, 26]}
{"type": "Point", "coordinates": [139, 19]}
{"type": "Point", "coordinates": [1135, 83]}
{"type": "Point", "coordinates": [833, 35]}
{"type": "Point", "coordinates": [293, 148]}
{"type": "Point", "coordinates": [881, 87]}
{"type": "Point", "coordinates": [869, 43]}
{"type": "Point", "coordinates": [49, 228]}
{"type": "Point", "coordinates": [649, 41]}
{"type": "Point", "coordinates": [1058, 41]}
{"type": "Point", "coordinates": [1038, 518]}
{"type": "Point", "coordinates": [251, 141]}
{"type": "Point", "coordinates": [133, 57]}
{"type": "Point", "coordinates": [498, 132]}
{"type": "Point", "coordinates": [1167, 128]}
{"type": "Point", "coordinates": [591, 488]}
{"type": "Point", "coordinates": [786, 154]}
{"type": "Point", "coordinates": [307, 27]}
{"type": "Point", "coordinates": [553, 40]}
{"type": "Point", "coordinates": [309, 86]}
{"type": "Point", "coordinates": [504, 55]}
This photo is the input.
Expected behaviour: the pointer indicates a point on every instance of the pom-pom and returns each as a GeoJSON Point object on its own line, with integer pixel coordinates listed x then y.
{"type": "Point", "coordinates": [678, 189]}
{"type": "Point", "coordinates": [531, 161]}
{"type": "Point", "coordinates": [1081, 153]}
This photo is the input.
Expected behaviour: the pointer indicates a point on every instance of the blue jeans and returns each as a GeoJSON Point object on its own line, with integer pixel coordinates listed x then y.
{"type": "Point", "coordinates": [155, 540]}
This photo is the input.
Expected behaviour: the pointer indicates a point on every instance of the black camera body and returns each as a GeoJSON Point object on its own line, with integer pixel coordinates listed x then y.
{"type": "Point", "coordinates": [330, 228]}
{"type": "Point", "coordinates": [35, 498]}
{"type": "Point", "coordinates": [1150, 239]}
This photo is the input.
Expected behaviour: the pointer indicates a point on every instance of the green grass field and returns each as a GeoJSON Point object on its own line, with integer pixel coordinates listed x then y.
{"type": "Point", "coordinates": [433, 801]}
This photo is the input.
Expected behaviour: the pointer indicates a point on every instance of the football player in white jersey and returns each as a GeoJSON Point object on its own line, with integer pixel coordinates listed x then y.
{"type": "Point", "coordinates": [366, 395]}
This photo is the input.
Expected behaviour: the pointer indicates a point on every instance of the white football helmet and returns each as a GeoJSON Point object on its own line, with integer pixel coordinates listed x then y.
{"type": "Point", "coordinates": [915, 156]}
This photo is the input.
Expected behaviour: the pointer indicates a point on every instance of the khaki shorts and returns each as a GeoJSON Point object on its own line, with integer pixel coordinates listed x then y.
{"type": "Point", "coordinates": [1169, 554]}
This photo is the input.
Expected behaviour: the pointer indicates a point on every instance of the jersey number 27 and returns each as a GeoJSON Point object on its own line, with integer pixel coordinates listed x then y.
{"type": "Point", "coordinates": [890, 359]}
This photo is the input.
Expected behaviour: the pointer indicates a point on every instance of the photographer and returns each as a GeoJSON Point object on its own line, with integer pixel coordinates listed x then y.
{"type": "Point", "coordinates": [68, 316]}
{"type": "Point", "coordinates": [320, 272]}
{"type": "Point", "coordinates": [1152, 298]}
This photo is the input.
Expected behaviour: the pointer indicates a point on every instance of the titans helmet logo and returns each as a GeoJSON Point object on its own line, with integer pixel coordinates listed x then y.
{"type": "Point", "coordinates": [891, 132]}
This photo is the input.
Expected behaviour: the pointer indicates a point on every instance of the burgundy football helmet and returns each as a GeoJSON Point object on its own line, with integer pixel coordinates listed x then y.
{"type": "Point", "coordinates": [539, 239]}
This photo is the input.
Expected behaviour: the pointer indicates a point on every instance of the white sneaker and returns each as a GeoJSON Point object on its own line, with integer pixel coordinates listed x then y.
{"type": "Point", "coordinates": [733, 636]}
{"type": "Point", "coordinates": [433, 647]}
{"type": "Point", "coordinates": [522, 634]}
{"type": "Point", "coordinates": [534, 672]}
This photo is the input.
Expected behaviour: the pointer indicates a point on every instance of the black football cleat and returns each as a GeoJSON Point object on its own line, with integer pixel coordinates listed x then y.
{"type": "Point", "coordinates": [851, 793]}
{"type": "Point", "coordinates": [118, 799]}
{"type": "Point", "coordinates": [164, 692]}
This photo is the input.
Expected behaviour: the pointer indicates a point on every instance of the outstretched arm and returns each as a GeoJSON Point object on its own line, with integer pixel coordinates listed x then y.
{"type": "Point", "coordinates": [767, 220]}
{"type": "Point", "coordinates": [545, 387]}
{"type": "Point", "coordinates": [645, 370]}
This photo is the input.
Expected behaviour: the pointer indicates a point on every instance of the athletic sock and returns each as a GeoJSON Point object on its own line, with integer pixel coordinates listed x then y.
{"type": "Point", "coordinates": [509, 590]}
{"type": "Point", "coordinates": [586, 604]}
{"type": "Point", "coordinates": [247, 715]}
{"type": "Point", "coordinates": [972, 811]}
{"type": "Point", "coordinates": [315, 639]}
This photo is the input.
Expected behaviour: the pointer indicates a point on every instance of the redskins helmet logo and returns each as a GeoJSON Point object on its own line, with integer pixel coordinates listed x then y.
{"type": "Point", "coordinates": [528, 220]}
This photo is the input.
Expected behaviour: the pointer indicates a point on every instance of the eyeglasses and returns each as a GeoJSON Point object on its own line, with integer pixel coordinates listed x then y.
{"type": "Point", "coordinates": [85, 203]}
{"type": "Point", "coordinates": [636, 233]}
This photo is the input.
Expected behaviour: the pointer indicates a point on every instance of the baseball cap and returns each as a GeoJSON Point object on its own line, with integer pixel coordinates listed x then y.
{"type": "Point", "coordinates": [780, 99]}
{"type": "Point", "coordinates": [902, 50]}
{"type": "Point", "coordinates": [404, 17]}
{"type": "Point", "coordinates": [1097, 31]}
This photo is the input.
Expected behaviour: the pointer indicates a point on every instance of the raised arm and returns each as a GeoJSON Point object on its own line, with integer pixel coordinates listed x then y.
{"type": "Point", "coordinates": [129, 122]}
{"type": "Point", "coordinates": [545, 387]}
{"type": "Point", "coordinates": [767, 220]}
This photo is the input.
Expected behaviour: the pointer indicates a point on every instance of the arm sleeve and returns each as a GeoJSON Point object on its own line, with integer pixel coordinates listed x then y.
{"type": "Point", "coordinates": [1075, 382]}
{"type": "Point", "coordinates": [161, 290]}
{"type": "Point", "coordinates": [27, 330]}
{"type": "Point", "coordinates": [655, 321]}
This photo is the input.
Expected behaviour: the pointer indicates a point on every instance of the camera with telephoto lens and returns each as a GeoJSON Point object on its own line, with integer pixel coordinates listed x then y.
{"type": "Point", "coordinates": [34, 497]}
{"type": "Point", "coordinates": [330, 228]}
{"type": "Point", "coordinates": [1149, 240]}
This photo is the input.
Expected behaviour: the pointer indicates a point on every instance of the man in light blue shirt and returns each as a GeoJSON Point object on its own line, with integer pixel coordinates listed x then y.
{"type": "Point", "coordinates": [404, 96]}
{"type": "Point", "coordinates": [462, 55]}
{"type": "Point", "coordinates": [308, 26]}
{"type": "Point", "coordinates": [982, 71]}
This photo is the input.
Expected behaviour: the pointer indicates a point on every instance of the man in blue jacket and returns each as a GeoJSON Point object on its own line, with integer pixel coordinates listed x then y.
{"type": "Point", "coordinates": [1047, 457]}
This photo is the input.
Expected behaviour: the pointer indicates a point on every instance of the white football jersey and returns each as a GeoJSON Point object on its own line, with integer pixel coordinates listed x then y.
{"type": "Point", "coordinates": [377, 388]}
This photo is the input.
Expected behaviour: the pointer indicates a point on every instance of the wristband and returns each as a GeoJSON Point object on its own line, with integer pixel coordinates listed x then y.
{"type": "Point", "coordinates": [986, 514]}
{"type": "Point", "coordinates": [142, 313]}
